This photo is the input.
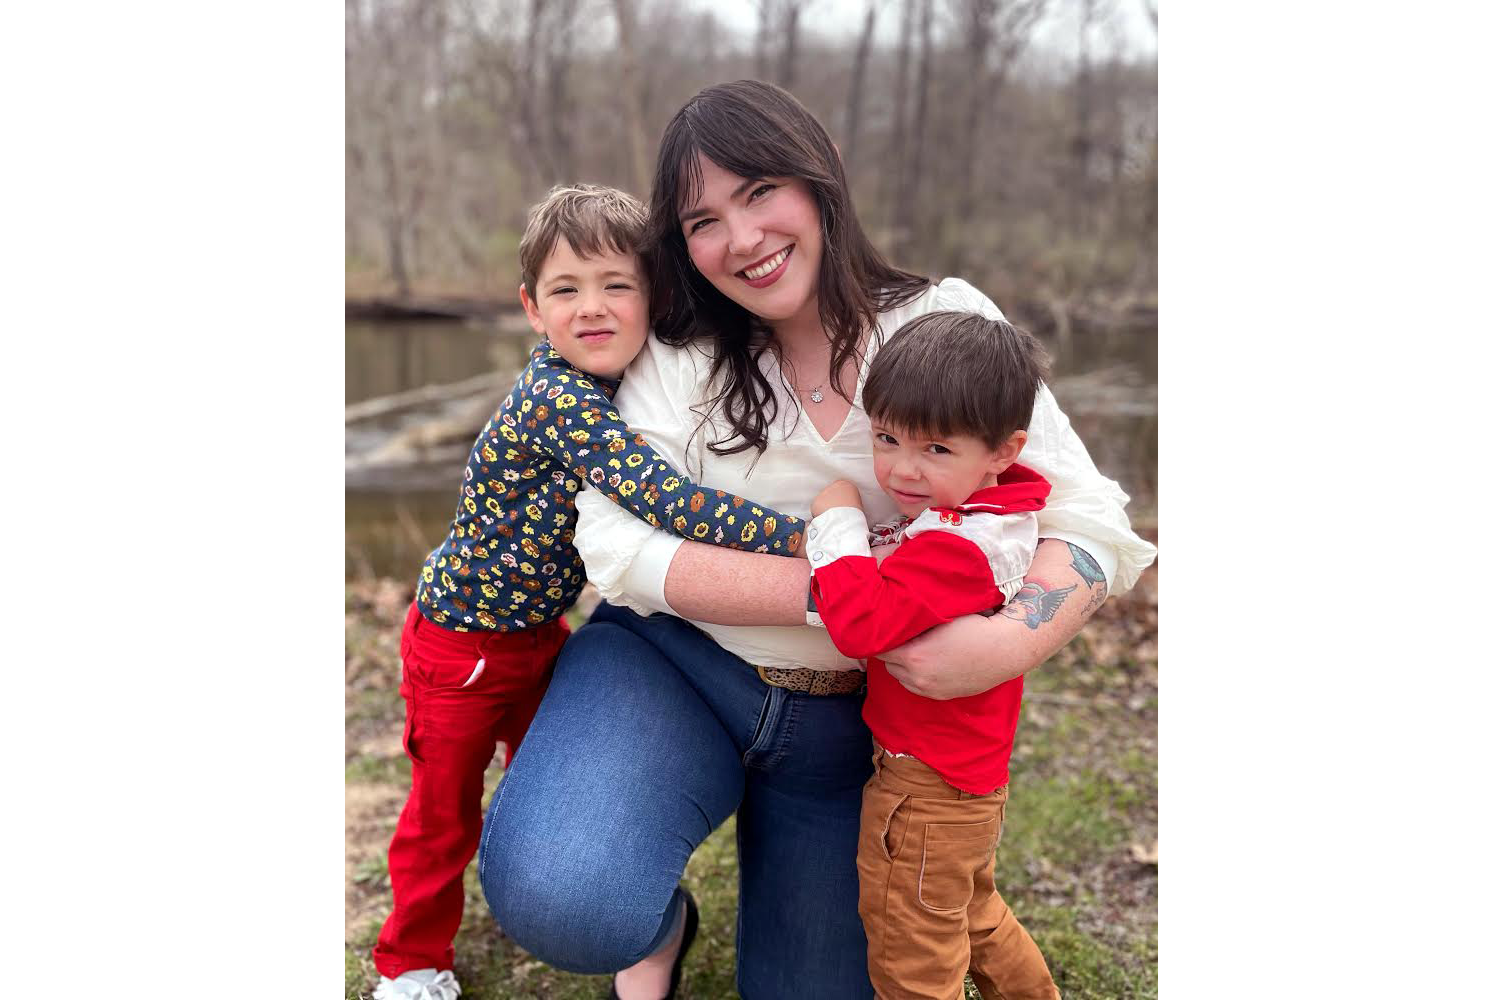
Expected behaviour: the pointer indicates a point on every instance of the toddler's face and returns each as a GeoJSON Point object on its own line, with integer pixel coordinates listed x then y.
{"type": "Point", "coordinates": [920, 471]}
{"type": "Point", "coordinates": [593, 310]}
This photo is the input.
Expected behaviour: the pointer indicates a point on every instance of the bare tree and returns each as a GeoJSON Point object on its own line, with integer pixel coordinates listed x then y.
{"type": "Point", "coordinates": [858, 86]}
{"type": "Point", "coordinates": [390, 73]}
{"type": "Point", "coordinates": [631, 94]}
{"type": "Point", "coordinates": [788, 56]}
{"type": "Point", "coordinates": [780, 20]}
{"type": "Point", "coordinates": [993, 33]}
{"type": "Point", "coordinates": [764, 37]}
{"type": "Point", "coordinates": [505, 81]}
{"type": "Point", "coordinates": [558, 92]}
{"type": "Point", "coordinates": [892, 176]}
{"type": "Point", "coordinates": [460, 113]}
{"type": "Point", "coordinates": [913, 174]}
{"type": "Point", "coordinates": [1090, 13]}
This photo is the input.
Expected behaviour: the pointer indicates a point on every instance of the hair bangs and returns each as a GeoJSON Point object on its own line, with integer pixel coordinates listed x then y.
{"type": "Point", "coordinates": [943, 403]}
{"type": "Point", "coordinates": [590, 238]}
{"type": "Point", "coordinates": [681, 169]}
{"type": "Point", "coordinates": [739, 137]}
{"type": "Point", "coordinates": [955, 374]}
{"type": "Point", "coordinates": [590, 218]}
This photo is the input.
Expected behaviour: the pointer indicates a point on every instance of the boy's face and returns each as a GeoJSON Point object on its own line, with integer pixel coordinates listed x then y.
{"type": "Point", "coordinates": [593, 310]}
{"type": "Point", "coordinates": [920, 471]}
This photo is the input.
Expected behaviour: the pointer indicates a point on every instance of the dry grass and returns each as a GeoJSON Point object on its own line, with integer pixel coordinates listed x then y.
{"type": "Point", "coordinates": [1078, 860]}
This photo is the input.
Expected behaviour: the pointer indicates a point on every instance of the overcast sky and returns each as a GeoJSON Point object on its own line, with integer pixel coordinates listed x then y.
{"type": "Point", "coordinates": [842, 18]}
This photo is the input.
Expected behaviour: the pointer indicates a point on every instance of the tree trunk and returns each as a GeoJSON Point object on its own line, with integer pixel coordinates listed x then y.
{"type": "Point", "coordinates": [396, 259]}
{"type": "Point", "coordinates": [764, 37]}
{"type": "Point", "coordinates": [560, 96]}
{"type": "Point", "coordinates": [526, 80]}
{"type": "Point", "coordinates": [788, 60]}
{"type": "Point", "coordinates": [1080, 145]}
{"type": "Point", "coordinates": [996, 31]}
{"type": "Point", "coordinates": [631, 97]}
{"type": "Point", "coordinates": [913, 177]}
{"type": "Point", "coordinates": [978, 41]}
{"type": "Point", "coordinates": [892, 177]}
{"type": "Point", "coordinates": [858, 90]}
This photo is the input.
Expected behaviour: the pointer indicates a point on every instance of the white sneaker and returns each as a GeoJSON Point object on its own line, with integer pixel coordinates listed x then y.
{"type": "Point", "coordinates": [419, 984]}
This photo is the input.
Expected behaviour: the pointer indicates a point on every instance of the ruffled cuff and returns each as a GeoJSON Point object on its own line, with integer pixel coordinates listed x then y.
{"type": "Point", "coordinates": [838, 532]}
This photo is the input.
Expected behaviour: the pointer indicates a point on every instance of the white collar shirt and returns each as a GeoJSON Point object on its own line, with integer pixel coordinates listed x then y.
{"type": "Point", "coordinates": [665, 392]}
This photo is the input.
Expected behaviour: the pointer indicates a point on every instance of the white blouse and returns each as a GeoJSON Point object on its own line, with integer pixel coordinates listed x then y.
{"type": "Point", "coordinates": [628, 560]}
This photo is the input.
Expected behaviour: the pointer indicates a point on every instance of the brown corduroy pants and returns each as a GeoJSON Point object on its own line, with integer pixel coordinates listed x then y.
{"type": "Point", "coordinates": [931, 910]}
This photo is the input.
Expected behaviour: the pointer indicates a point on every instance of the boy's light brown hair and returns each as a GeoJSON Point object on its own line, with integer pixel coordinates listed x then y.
{"type": "Point", "coordinates": [956, 374]}
{"type": "Point", "coordinates": [590, 217]}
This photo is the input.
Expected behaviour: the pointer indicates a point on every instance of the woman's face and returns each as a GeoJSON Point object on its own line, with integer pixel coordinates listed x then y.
{"type": "Point", "coordinates": [758, 240]}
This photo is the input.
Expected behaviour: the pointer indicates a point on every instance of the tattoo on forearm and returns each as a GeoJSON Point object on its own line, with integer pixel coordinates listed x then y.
{"type": "Point", "coordinates": [1034, 604]}
{"type": "Point", "coordinates": [1082, 562]}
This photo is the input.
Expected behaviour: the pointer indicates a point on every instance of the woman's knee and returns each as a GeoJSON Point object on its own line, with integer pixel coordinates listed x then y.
{"type": "Point", "coordinates": [589, 831]}
{"type": "Point", "coordinates": [562, 851]}
{"type": "Point", "coordinates": [567, 904]}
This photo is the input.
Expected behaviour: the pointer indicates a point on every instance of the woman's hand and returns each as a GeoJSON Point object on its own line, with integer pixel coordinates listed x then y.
{"type": "Point", "coordinates": [976, 653]}
{"type": "Point", "coordinates": [838, 494]}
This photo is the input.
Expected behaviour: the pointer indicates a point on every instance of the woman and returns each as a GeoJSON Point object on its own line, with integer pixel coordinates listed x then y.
{"type": "Point", "coordinates": [768, 302]}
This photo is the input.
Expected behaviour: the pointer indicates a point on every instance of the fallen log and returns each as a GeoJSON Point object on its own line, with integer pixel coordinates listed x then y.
{"type": "Point", "coordinates": [428, 395]}
{"type": "Point", "coordinates": [397, 307]}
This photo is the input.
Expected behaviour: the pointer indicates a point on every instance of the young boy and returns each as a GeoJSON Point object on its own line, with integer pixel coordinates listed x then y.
{"type": "Point", "coordinates": [481, 636]}
{"type": "Point", "coordinates": [949, 398]}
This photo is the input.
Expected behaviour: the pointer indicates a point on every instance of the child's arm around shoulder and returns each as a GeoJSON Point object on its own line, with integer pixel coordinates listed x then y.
{"type": "Point", "coordinates": [572, 420]}
{"type": "Point", "coordinates": [650, 570]}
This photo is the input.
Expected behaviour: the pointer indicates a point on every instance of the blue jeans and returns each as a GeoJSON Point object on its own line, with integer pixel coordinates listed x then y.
{"type": "Point", "coordinates": [649, 736]}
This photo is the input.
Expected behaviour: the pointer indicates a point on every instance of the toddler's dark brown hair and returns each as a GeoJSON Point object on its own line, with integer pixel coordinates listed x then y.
{"type": "Point", "coordinates": [956, 374]}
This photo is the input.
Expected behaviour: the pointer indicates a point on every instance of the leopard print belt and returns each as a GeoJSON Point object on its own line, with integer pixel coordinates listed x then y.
{"type": "Point", "coordinates": [816, 682]}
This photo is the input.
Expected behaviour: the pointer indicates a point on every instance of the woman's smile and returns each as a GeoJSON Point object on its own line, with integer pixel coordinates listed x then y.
{"type": "Point", "coordinates": [768, 270]}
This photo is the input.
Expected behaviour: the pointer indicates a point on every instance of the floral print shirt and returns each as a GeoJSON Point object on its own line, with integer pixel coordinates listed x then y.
{"type": "Point", "coordinates": [509, 560]}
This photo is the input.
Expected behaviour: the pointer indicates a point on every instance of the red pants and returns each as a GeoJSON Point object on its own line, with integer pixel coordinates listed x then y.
{"type": "Point", "coordinates": [465, 691]}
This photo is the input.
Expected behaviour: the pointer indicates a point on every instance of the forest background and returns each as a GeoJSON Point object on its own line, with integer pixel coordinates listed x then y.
{"type": "Point", "coordinates": [1010, 142]}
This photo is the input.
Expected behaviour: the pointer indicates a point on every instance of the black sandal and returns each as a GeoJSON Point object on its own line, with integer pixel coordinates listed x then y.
{"type": "Point", "coordinates": [691, 928]}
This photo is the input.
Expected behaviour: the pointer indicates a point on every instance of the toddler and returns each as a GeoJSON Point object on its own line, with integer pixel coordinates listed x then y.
{"type": "Point", "coordinates": [949, 398]}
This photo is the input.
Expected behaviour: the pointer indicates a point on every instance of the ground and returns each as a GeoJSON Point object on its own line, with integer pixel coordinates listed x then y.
{"type": "Point", "coordinates": [1078, 860]}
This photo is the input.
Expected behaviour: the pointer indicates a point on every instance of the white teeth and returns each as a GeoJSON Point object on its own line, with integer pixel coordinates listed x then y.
{"type": "Point", "coordinates": [770, 266]}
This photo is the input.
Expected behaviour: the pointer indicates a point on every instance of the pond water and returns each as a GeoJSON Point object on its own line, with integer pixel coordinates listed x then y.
{"type": "Point", "coordinates": [1106, 382]}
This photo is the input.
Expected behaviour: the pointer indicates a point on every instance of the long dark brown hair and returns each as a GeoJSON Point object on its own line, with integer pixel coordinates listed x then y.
{"type": "Point", "coordinates": [753, 129]}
